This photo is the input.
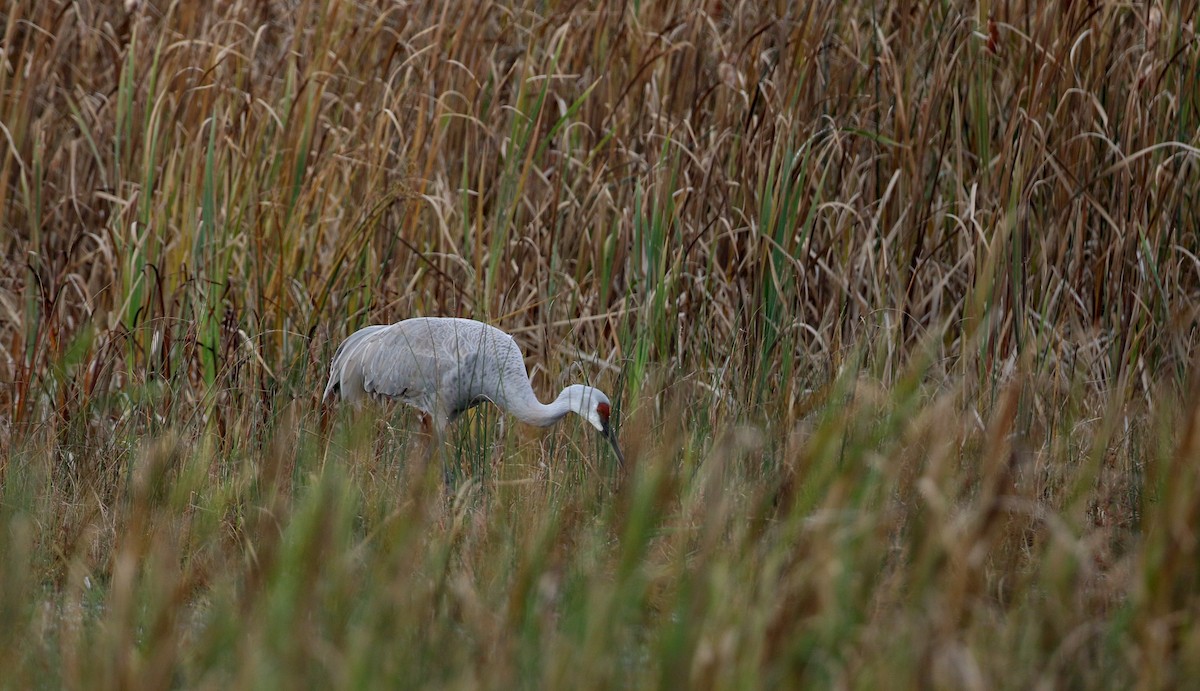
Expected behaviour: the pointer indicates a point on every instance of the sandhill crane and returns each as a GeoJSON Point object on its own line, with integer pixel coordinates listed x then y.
{"type": "Point", "coordinates": [444, 366]}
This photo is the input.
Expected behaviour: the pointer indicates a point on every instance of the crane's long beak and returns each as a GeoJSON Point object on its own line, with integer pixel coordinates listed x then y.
{"type": "Point", "coordinates": [611, 436]}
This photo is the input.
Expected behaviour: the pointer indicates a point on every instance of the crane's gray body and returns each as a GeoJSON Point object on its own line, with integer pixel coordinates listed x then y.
{"type": "Point", "coordinates": [445, 366]}
{"type": "Point", "coordinates": [442, 366]}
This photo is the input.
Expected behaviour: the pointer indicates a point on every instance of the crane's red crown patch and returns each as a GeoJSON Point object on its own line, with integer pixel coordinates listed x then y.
{"type": "Point", "coordinates": [603, 410]}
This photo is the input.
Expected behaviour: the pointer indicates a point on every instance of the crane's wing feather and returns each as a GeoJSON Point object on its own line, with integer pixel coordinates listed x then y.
{"type": "Point", "coordinates": [404, 364]}
{"type": "Point", "coordinates": [345, 361]}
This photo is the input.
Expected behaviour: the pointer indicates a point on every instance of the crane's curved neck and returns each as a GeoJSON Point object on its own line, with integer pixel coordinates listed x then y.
{"type": "Point", "coordinates": [528, 409]}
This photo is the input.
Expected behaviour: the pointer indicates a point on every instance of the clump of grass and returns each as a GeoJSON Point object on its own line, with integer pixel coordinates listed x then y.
{"type": "Point", "coordinates": [898, 304]}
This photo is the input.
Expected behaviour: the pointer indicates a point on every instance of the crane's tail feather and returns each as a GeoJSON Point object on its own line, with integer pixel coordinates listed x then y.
{"type": "Point", "coordinates": [330, 389]}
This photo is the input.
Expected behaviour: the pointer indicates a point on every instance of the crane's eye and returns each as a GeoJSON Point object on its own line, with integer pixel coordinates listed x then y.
{"type": "Point", "coordinates": [603, 411]}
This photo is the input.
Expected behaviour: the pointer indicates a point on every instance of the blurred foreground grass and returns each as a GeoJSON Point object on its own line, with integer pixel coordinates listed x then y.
{"type": "Point", "coordinates": [889, 538]}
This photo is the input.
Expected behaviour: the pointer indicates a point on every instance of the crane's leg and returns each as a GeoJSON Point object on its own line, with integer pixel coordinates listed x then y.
{"type": "Point", "coordinates": [437, 448]}
{"type": "Point", "coordinates": [439, 437]}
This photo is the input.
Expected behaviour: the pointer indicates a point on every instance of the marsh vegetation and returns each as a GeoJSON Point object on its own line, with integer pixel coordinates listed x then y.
{"type": "Point", "coordinates": [897, 304]}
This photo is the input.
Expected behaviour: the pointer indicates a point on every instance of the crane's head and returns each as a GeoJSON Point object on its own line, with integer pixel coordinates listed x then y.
{"type": "Point", "coordinates": [592, 405]}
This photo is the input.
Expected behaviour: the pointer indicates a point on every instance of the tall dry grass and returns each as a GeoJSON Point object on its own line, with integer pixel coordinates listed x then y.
{"type": "Point", "coordinates": [898, 303]}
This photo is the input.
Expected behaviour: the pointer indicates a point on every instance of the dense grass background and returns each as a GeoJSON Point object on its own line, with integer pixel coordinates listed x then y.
{"type": "Point", "coordinates": [898, 303]}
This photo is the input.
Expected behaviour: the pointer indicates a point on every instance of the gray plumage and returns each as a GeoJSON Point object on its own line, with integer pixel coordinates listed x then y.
{"type": "Point", "coordinates": [445, 366]}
